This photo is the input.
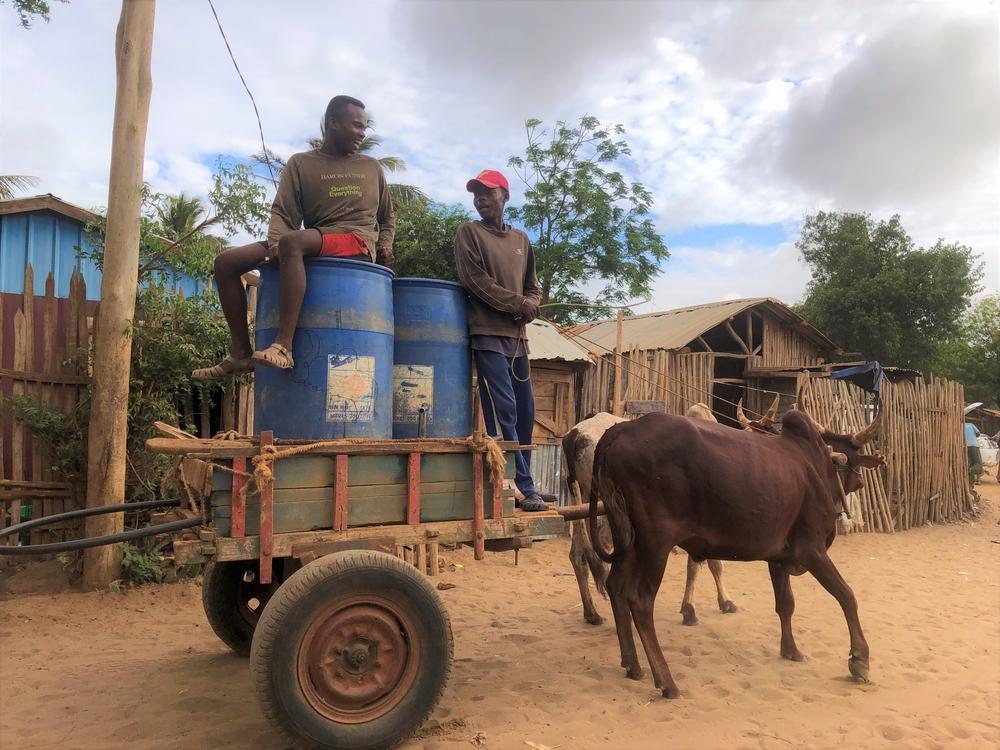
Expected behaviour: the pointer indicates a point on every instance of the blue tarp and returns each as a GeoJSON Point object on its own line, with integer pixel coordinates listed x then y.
{"type": "Point", "coordinates": [868, 376]}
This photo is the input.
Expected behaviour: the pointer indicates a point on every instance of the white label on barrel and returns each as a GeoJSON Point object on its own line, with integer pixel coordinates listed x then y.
{"type": "Point", "coordinates": [412, 390]}
{"type": "Point", "coordinates": [350, 388]}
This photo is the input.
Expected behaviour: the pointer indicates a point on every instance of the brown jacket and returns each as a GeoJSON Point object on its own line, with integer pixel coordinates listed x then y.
{"type": "Point", "coordinates": [497, 269]}
{"type": "Point", "coordinates": [336, 195]}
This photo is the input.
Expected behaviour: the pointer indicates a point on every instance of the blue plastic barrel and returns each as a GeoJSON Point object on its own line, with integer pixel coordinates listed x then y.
{"type": "Point", "coordinates": [432, 371]}
{"type": "Point", "coordinates": [341, 385]}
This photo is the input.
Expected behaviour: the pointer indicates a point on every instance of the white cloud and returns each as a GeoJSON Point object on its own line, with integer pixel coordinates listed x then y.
{"type": "Point", "coordinates": [729, 270]}
{"type": "Point", "coordinates": [736, 111]}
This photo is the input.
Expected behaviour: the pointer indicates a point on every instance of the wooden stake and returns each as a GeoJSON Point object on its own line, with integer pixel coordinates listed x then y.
{"type": "Point", "coordinates": [113, 349]}
{"type": "Point", "coordinates": [617, 406]}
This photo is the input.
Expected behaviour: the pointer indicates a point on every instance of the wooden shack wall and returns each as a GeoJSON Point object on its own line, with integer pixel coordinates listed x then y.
{"type": "Point", "coordinates": [783, 346]}
{"type": "Point", "coordinates": [554, 385]}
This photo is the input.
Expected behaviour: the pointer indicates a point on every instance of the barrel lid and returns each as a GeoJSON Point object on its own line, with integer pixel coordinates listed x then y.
{"type": "Point", "coordinates": [366, 265]}
{"type": "Point", "coordinates": [417, 281]}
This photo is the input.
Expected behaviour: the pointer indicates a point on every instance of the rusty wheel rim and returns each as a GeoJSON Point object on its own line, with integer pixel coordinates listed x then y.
{"type": "Point", "coordinates": [358, 659]}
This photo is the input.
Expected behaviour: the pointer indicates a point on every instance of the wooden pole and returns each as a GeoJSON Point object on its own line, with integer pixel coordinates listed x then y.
{"type": "Point", "coordinates": [113, 346]}
{"type": "Point", "coordinates": [617, 406]}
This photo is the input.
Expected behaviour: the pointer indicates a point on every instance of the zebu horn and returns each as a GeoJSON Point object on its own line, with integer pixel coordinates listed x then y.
{"type": "Point", "coordinates": [836, 456]}
{"type": "Point", "coordinates": [741, 417]}
{"type": "Point", "coordinates": [804, 408]}
{"type": "Point", "coordinates": [772, 413]}
{"type": "Point", "coordinates": [860, 438]}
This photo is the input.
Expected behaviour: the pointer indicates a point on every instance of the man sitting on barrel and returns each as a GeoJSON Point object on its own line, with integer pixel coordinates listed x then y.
{"type": "Point", "coordinates": [341, 199]}
{"type": "Point", "coordinates": [496, 265]}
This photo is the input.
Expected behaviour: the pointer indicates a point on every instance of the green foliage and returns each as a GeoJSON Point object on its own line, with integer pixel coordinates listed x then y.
{"type": "Point", "coordinates": [425, 239]}
{"type": "Point", "coordinates": [174, 335]}
{"type": "Point", "coordinates": [143, 564]}
{"type": "Point", "coordinates": [25, 9]}
{"type": "Point", "coordinates": [973, 356]}
{"type": "Point", "coordinates": [239, 200]}
{"type": "Point", "coordinates": [62, 433]}
{"type": "Point", "coordinates": [875, 293]}
{"type": "Point", "coordinates": [586, 220]}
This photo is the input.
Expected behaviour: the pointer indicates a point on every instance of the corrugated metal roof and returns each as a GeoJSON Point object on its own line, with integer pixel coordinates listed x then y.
{"type": "Point", "coordinates": [545, 342]}
{"type": "Point", "coordinates": [674, 329]}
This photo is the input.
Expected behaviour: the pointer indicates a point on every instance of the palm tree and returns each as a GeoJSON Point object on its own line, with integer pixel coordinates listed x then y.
{"type": "Point", "coordinates": [179, 214]}
{"type": "Point", "coordinates": [401, 194]}
{"type": "Point", "coordinates": [12, 182]}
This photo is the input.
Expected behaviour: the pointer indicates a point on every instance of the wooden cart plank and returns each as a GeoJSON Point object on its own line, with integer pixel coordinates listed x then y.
{"type": "Point", "coordinates": [224, 549]}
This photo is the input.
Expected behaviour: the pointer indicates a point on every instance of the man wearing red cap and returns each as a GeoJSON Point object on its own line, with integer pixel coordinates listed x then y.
{"type": "Point", "coordinates": [496, 266]}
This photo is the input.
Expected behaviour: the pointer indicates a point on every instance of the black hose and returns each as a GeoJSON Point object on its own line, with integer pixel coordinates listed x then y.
{"type": "Point", "coordinates": [97, 541]}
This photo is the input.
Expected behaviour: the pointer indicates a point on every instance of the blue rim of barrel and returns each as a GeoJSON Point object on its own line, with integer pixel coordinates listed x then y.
{"type": "Point", "coordinates": [419, 281]}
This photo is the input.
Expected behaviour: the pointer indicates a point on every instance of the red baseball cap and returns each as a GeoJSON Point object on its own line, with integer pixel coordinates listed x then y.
{"type": "Point", "coordinates": [489, 178]}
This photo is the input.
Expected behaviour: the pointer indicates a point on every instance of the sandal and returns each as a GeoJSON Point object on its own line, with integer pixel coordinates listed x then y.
{"type": "Point", "coordinates": [275, 356]}
{"type": "Point", "coordinates": [533, 503]}
{"type": "Point", "coordinates": [227, 367]}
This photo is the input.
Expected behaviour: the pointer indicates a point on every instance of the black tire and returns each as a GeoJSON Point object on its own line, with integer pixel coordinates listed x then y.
{"type": "Point", "coordinates": [234, 599]}
{"type": "Point", "coordinates": [352, 652]}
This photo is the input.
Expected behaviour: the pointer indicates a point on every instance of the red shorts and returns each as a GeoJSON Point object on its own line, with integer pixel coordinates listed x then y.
{"type": "Point", "coordinates": [342, 246]}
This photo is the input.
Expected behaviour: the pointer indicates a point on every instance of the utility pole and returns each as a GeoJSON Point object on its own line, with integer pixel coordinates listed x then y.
{"type": "Point", "coordinates": [113, 344]}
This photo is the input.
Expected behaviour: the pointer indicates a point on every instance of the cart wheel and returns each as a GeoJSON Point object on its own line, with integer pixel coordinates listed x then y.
{"type": "Point", "coordinates": [352, 652]}
{"type": "Point", "coordinates": [233, 599]}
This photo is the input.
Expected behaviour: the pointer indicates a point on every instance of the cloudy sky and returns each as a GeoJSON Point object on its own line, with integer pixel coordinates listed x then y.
{"type": "Point", "coordinates": [743, 117]}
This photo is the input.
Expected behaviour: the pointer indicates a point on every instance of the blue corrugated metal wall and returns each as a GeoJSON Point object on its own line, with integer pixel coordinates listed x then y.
{"type": "Point", "coordinates": [49, 242]}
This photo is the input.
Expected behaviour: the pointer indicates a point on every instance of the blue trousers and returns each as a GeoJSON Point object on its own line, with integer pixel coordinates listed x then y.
{"type": "Point", "coordinates": [508, 403]}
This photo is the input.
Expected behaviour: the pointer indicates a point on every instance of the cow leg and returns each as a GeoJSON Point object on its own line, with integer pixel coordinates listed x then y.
{"type": "Point", "coordinates": [643, 597]}
{"type": "Point", "coordinates": [618, 579]}
{"type": "Point", "coordinates": [725, 603]}
{"type": "Point", "coordinates": [784, 605]}
{"type": "Point", "coordinates": [578, 550]}
{"type": "Point", "coordinates": [690, 617]}
{"type": "Point", "coordinates": [822, 567]}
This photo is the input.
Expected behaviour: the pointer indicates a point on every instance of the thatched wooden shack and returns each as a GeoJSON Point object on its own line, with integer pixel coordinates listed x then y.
{"type": "Point", "coordinates": [708, 353]}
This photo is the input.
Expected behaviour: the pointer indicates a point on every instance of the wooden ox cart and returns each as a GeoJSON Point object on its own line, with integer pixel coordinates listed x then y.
{"type": "Point", "coordinates": [349, 645]}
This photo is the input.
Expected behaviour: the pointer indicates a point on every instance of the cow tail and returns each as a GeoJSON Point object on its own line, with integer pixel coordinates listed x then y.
{"type": "Point", "coordinates": [622, 533]}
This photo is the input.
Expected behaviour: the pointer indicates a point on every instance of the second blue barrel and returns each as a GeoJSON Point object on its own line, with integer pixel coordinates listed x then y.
{"type": "Point", "coordinates": [341, 385]}
{"type": "Point", "coordinates": [432, 371]}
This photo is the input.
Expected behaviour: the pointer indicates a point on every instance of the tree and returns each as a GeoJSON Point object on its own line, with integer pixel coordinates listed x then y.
{"type": "Point", "coordinates": [11, 182]}
{"type": "Point", "coordinates": [586, 220]}
{"type": "Point", "coordinates": [25, 9]}
{"type": "Point", "coordinates": [875, 293]}
{"type": "Point", "coordinates": [425, 239]}
{"type": "Point", "coordinates": [973, 357]}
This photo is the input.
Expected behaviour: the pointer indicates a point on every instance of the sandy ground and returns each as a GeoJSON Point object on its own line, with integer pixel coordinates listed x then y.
{"type": "Point", "coordinates": [142, 669]}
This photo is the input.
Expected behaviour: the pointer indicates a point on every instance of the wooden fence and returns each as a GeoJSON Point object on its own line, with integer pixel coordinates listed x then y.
{"type": "Point", "coordinates": [678, 380]}
{"type": "Point", "coordinates": [926, 479]}
{"type": "Point", "coordinates": [38, 340]}
{"type": "Point", "coordinates": [923, 438]}
{"type": "Point", "coordinates": [44, 346]}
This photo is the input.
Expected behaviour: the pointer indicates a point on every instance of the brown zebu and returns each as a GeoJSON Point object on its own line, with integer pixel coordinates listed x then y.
{"type": "Point", "coordinates": [578, 451]}
{"type": "Point", "coordinates": [722, 493]}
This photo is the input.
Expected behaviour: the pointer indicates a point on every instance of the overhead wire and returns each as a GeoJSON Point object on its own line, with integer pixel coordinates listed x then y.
{"type": "Point", "coordinates": [260, 127]}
